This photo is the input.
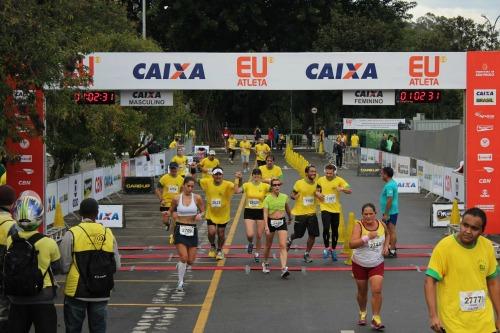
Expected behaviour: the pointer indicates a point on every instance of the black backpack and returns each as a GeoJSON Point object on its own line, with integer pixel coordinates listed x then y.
{"type": "Point", "coordinates": [21, 275]}
{"type": "Point", "coordinates": [100, 269]}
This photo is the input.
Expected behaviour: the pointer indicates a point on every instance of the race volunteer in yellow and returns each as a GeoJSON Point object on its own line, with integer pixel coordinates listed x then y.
{"type": "Point", "coordinates": [181, 161]}
{"type": "Point", "coordinates": [174, 143]}
{"type": "Point", "coordinates": [82, 245]}
{"type": "Point", "coordinates": [218, 194]}
{"type": "Point", "coordinates": [168, 187]}
{"type": "Point", "coordinates": [255, 192]}
{"type": "Point", "coordinates": [261, 151]}
{"type": "Point", "coordinates": [354, 140]}
{"type": "Point", "coordinates": [270, 171]}
{"type": "Point", "coordinates": [329, 203]}
{"type": "Point", "coordinates": [231, 147]}
{"type": "Point", "coordinates": [461, 287]}
{"type": "Point", "coordinates": [245, 147]}
{"type": "Point", "coordinates": [7, 228]}
{"type": "Point", "coordinates": [305, 193]}
{"type": "Point", "coordinates": [30, 306]}
{"type": "Point", "coordinates": [208, 164]}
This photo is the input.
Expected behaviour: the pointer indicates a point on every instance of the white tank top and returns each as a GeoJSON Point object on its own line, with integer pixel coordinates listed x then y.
{"type": "Point", "coordinates": [190, 210]}
{"type": "Point", "coordinates": [370, 254]}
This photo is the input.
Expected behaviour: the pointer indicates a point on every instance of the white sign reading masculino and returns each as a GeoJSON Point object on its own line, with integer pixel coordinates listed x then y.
{"type": "Point", "coordinates": [277, 71]}
{"type": "Point", "coordinates": [407, 184]}
{"type": "Point", "coordinates": [146, 98]}
{"type": "Point", "coordinates": [368, 123]}
{"type": "Point", "coordinates": [368, 97]}
{"type": "Point", "coordinates": [111, 216]}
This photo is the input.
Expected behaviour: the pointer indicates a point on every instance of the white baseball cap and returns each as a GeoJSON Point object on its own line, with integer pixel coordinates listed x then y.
{"type": "Point", "coordinates": [211, 152]}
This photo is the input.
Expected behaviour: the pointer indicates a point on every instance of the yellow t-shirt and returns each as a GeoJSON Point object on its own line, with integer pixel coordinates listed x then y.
{"type": "Point", "coordinates": [48, 252]}
{"type": "Point", "coordinates": [354, 141]}
{"type": "Point", "coordinates": [329, 190]}
{"type": "Point", "coordinates": [255, 194]}
{"type": "Point", "coordinates": [464, 305]}
{"type": "Point", "coordinates": [3, 178]}
{"type": "Point", "coordinates": [206, 163]}
{"type": "Point", "coordinates": [6, 223]}
{"type": "Point", "coordinates": [172, 145]}
{"type": "Point", "coordinates": [262, 150]}
{"type": "Point", "coordinates": [218, 199]}
{"type": "Point", "coordinates": [305, 202]}
{"type": "Point", "coordinates": [192, 133]}
{"type": "Point", "coordinates": [182, 161]}
{"type": "Point", "coordinates": [275, 172]}
{"type": "Point", "coordinates": [245, 146]}
{"type": "Point", "coordinates": [231, 143]}
{"type": "Point", "coordinates": [171, 187]}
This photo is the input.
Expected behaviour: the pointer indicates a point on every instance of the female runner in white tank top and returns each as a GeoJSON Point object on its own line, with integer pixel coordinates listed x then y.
{"type": "Point", "coordinates": [187, 209]}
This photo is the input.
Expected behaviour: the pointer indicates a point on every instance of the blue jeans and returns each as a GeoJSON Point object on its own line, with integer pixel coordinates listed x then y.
{"type": "Point", "coordinates": [75, 311]}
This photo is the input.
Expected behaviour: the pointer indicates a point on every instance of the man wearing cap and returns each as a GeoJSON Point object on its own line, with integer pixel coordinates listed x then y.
{"type": "Point", "coordinates": [181, 160]}
{"type": "Point", "coordinates": [169, 186]}
{"type": "Point", "coordinates": [7, 228]}
{"type": "Point", "coordinates": [218, 194]}
{"type": "Point", "coordinates": [208, 164]}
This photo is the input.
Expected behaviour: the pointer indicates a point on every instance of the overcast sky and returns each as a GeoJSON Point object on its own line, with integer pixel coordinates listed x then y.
{"type": "Point", "coordinates": [466, 8]}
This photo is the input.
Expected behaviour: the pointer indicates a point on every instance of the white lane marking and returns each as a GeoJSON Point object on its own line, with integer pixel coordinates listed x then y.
{"type": "Point", "coordinates": [349, 331]}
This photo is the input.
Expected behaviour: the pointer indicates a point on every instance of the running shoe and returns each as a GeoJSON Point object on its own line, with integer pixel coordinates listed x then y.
{"type": "Point", "coordinates": [249, 248]}
{"type": "Point", "coordinates": [285, 273]}
{"type": "Point", "coordinates": [307, 257]}
{"type": "Point", "coordinates": [256, 257]}
{"type": "Point", "coordinates": [377, 323]}
{"type": "Point", "coordinates": [393, 253]}
{"type": "Point", "coordinates": [334, 255]}
{"type": "Point", "coordinates": [220, 255]}
{"type": "Point", "coordinates": [180, 286]}
{"type": "Point", "coordinates": [212, 253]}
{"type": "Point", "coordinates": [288, 243]}
{"type": "Point", "coordinates": [326, 253]}
{"type": "Point", "coordinates": [265, 268]}
{"type": "Point", "coordinates": [362, 318]}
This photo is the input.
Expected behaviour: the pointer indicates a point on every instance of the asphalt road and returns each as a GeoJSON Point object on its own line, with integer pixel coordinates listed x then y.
{"type": "Point", "coordinates": [235, 296]}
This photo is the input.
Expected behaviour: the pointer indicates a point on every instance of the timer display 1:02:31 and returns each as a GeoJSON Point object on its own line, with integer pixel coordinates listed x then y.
{"type": "Point", "coordinates": [419, 96]}
{"type": "Point", "coordinates": [94, 97]}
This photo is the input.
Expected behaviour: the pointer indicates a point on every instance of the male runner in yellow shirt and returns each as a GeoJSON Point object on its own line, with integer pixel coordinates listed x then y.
{"type": "Point", "coordinates": [245, 147]}
{"type": "Point", "coordinates": [168, 187]}
{"type": "Point", "coordinates": [261, 151]}
{"type": "Point", "coordinates": [208, 163]}
{"type": "Point", "coordinates": [231, 147]}
{"type": "Point", "coordinates": [270, 171]}
{"type": "Point", "coordinates": [181, 161]}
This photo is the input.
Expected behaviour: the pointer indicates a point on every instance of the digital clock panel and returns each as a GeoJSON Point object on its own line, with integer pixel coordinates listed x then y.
{"type": "Point", "coordinates": [418, 96]}
{"type": "Point", "coordinates": [94, 97]}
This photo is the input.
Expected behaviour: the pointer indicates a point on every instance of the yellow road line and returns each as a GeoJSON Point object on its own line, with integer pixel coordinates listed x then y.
{"type": "Point", "coordinates": [152, 281]}
{"type": "Point", "coordinates": [201, 322]}
{"type": "Point", "coordinates": [146, 305]}
{"type": "Point", "coordinates": [135, 263]}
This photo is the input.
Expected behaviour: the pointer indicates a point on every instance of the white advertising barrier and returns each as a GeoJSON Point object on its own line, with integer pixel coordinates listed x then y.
{"type": "Point", "coordinates": [428, 172]}
{"type": "Point", "coordinates": [448, 189]}
{"type": "Point", "coordinates": [371, 124]}
{"type": "Point", "coordinates": [368, 97]}
{"type": "Point", "coordinates": [63, 195]}
{"type": "Point", "coordinates": [159, 163]}
{"type": "Point", "coordinates": [111, 216]}
{"type": "Point", "coordinates": [441, 213]}
{"type": "Point", "coordinates": [437, 180]}
{"type": "Point", "coordinates": [458, 186]}
{"type": "Point", "coordinates": [88, 184]}
{"type": "Point", "coordinates": [50, 203]}
{"type": "Point", "coordinates": [117, 178]}
{"type": "Point", "coordinates": [277, 71]}
{"type": "Point", "coordinates": [146, 98]}
{"type": "Point", "coordinates": [75, 189]}
{"type": "Point", "coordinates": [108, 180]}
{"type": "Point", "coordinates": [407, 184]}
{"type": "Point", "coordinates": [98, 184]}
{"type": "Point", "coordinates": [402, 166]}
{"type": "Point", "coordinates": [420, 172]}
{"type": "Point", "coordinates": [143, 167]}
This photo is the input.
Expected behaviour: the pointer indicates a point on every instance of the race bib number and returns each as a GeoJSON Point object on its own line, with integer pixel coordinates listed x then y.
{"type": "Point", "coordinates": [254, 203]}
{"type": "Point", "coordinates": [308, 201]}
{"type": "Point", "coordinates": [173, 189]}
{"type": "Point", "coordinates": [375, 244]}
{"type": "Point", "coordinates": [277, 223]}
{"type": "Point", "coordinates": [216, 203]}
{"type": "Point", "coordinates": [209, 170]}
{"type": "Point", "coordinates": [262, 153]}
{"type": "Point", "coordinates": [472, 300]}
{"type": "Point", "coordinates": [186, 230]}
{"type": "Point", "coordinates": [330, 198]}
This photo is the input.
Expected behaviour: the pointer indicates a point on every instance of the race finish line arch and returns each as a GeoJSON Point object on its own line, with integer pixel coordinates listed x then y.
{"type": "Point", "coordinates": [476, 72]}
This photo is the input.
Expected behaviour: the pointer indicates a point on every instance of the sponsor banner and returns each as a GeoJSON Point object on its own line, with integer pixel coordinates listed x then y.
{"type": "Point", "coordinates": [413, 167]}
{"type": "Point", "coordinates": [403, 166]}
{"type": "Point", "coordinates": [50, 203]}
{"type": "Point", "coordinates": [132, 168]}
{"type": "Point", "coordinates": [138, 184]}
{"type": "Point", "coordinates": [441, 213]}
{"type": "Point", "coordinates": [368, 97]}
{"type": "Point", "coordinates": [88, 184]}
{"type": "Point", "coordinates": [75, 189]}
{"type": "Point", "coordinates": [146, 98]}
{"type": "Point", "coordinates": [63, 195]}
{"type": "Point", "coordinates": [117, 178]}
{"type": "Point", "coordinates": [125, 171]}
{"type": "Point", "coordinates": [373, 124]}
{"type": "Point", "coordinates": [448, 189]}
{"type": "Point", "coordinates": [420, 172]}
{"type": "Point", "coordinates": [369, 170]}
{"type": "Point", "coordinates": [437, 180]}
{"type": "Point", "coordinates": [458, 184]}
{"type": "Point", "coordinates": [143, 167]}
{"type": "Point", "coordinates": [407, 184]}
{"type": "Point", "coordinates": [98, 184]}
{"type": "Point", "coordinates": [111, 216]}
{"type": "Point", "coordinates": [482, 122]}
{"type": "Point", "coordinates": [275, 71]}
{"type": "Point", "coordinates": [200, 152]}
{"type": "Point", "coordinates": [108, 181]}
{"type": "Point", "coordinates": [160, 164]}
{"type": "Point", "coordinates": [427, 176]}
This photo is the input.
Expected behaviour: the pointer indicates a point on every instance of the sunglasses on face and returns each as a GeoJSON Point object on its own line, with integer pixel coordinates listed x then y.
{"type": "Point", "coordinates": [274, 185]}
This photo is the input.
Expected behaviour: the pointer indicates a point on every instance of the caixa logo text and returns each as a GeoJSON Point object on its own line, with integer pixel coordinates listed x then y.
{"type": "Point", "coordinates": [341, 71]}
{"type": "Point", "coordinates": [169, 71]}
{"type": "Point", "coordinates": [105, 216]}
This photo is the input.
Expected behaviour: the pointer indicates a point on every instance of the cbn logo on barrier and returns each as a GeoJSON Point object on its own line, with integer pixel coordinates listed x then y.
{"type": "Point", "coordinates": [342, 71]}
{"type": "Point", "coordinates": [98, 184]}
{"type": "Point", "coordinates": [168, 71]}
{"type": "Point", "coordinates": [250, 74]}
{"type": "Point", "coordinates": [424, 70]}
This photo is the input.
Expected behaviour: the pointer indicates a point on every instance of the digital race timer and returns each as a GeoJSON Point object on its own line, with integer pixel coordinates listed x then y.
{"type": "Point", "coordinates": [418, 96]}
{"type": "Point", "coordinates": [94, 97]}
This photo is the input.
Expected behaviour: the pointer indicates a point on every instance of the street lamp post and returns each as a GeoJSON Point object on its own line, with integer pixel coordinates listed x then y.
{"type": "Point", "coordinates": [491, 28]}
{"type": "Point", "coordinates": [143, 19]}
{"type": "Point", "coordinates": [314, 111]}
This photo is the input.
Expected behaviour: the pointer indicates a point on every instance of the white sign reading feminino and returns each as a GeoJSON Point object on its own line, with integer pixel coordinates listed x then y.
{"type": "Point", "coordinates": [146, 98]}
{"type": "Point", "coordinates": [111, 216]}
{"type": "Point", "coordinates": [366, 123]}
{"type": "Point", "coordinates": [368, 97]}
